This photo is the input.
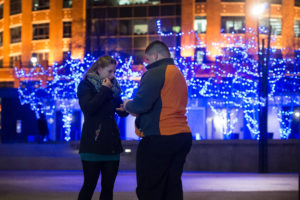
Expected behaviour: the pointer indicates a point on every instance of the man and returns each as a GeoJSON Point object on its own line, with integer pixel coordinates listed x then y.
{"type": "Point", "coordinates": [160, 106]}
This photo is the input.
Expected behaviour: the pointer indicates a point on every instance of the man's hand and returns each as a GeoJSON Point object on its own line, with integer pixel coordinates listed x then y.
{"type": "Point", "coordinates": [125, 102]}
{"type": "Point", "coordinates": [124, 105]}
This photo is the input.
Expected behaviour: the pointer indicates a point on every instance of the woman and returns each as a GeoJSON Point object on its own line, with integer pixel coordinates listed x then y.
{"type": "Point", "coordinates": [100, 145]}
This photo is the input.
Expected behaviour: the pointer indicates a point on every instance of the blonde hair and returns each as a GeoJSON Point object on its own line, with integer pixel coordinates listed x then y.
{"type": "Point", "coordinates": [101, 62]}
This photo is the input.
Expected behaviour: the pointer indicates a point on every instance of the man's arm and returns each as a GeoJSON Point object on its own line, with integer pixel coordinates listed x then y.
{"type": "Point", "coordinates": [147, 94]}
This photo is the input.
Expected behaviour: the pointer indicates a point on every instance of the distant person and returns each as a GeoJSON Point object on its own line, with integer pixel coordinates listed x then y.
{"type": "Point", "coordinates": [43, 128]}
{"type": "Point", "coordinates": [160, 106]}
{"type": "Point", "coordinates": [100, 144]}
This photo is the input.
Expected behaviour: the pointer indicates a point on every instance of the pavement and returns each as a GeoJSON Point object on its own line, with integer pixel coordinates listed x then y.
{"type": "Point", "coordinates": [65, 185]}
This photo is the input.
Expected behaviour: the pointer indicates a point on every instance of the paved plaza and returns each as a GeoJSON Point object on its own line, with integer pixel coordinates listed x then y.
{"type": "Point", "coordinates": [65, 185]}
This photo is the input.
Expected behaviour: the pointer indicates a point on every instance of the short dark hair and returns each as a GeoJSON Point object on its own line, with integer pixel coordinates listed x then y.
{"type": "Point", "coordinates": [159, 47]}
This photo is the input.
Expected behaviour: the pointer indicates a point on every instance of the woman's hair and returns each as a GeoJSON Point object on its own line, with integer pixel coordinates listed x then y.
{"type": "Point", "coordinates": [101, 62]}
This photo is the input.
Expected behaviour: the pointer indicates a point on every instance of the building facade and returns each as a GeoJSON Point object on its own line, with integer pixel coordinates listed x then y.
{"type": "Point", "coordinates": [44, 29]}
{"type": "Point", "coordinates": [48, 29]}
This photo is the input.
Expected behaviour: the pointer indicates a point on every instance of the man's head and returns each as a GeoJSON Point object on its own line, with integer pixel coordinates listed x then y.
{"type": "Point", "coordinates": [155, 51]}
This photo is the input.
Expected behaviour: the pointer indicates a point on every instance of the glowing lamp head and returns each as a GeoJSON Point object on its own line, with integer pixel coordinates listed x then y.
{"type": "Point", "coordinates": [34, 60]}
{"type": "Point", "coordinates": [259, 9]}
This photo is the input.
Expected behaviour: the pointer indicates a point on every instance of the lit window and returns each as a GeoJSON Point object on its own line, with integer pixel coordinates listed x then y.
{"type": "Point", "coordinates": [200, 54]}
{"type": "Point", "coordinates": [200, 24]}
{"type": "Point", "coordinates": [67, 3]}
{"type": "Point", "coordinates": [297, 28]}
{"type": "Point", "coordinates": [67, 29]}
{"type": "Point", "coordinates": [233, 25]}
{"type": "Point", "coordinates": [140, 27]}
{"type": "Point", "coordinates": [41, 57]}
{"type": "Point", "coordinates": [275, 24]}
{"type": "Point", "coordinates": [40, 31]}
{"type": "Point", "coordinates": [40, 4]}
{"type": "Point", "coordinates": [15, 35]}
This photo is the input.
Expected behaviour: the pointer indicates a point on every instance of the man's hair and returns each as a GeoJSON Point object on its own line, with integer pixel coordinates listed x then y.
{"type": "Point", "coordinates": [159, 47]}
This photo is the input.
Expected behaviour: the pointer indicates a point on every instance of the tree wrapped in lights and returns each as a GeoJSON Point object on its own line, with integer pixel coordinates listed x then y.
{"type": "Point", "coordinates": [59, 90]}
{"type": "Point", "coordinates": [233, 82]}
{"type": "Point", "coordinates": [32, 89]}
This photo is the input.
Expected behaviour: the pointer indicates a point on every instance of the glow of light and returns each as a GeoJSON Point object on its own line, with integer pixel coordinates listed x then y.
{"type": "Point", "coordinates": [258, 9]}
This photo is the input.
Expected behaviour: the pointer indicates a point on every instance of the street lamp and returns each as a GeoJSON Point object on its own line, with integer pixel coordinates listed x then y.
{"type": "Point", "coordinates": [259, 9]}
{"type": "Point", "coordinates": [263, 70]}
{"type": "Point", "coordinates": [33, 60]}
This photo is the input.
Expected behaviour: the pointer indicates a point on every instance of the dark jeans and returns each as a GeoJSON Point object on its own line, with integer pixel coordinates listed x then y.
{"type": "Point", "coordinates": [91, 172]}
{"type": "Point", "coordinates": [159, 166]}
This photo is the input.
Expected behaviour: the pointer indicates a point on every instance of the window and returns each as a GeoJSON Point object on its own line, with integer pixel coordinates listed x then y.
{"type": "Point", "coordinates": [13, 60]}
{"type": "Point", "coordinates": [1, 11]}
{"type": "Point", "coordinates": [1, 63]}
{"type": "Point", "coordinates": [275, 24]}
{"type": "Point", "coordinates": [200, 24]}
{"type": "Point", "coordinates": [200, 1]}
{"type": "Point", "coordinates": [66, 56]}
{"type": "Point", "coordinates": [1, 39]}
{"type": "Point", "coordinates": [297, 3]}
{"type": "Point", "coordinates": [41, 57]}
{"type": "Point", "coordinates": [276, 1]}
{"type": "Point", "coordinates": [40, 4]}
{"type": "Point", "coordinates": [200, 55]}
{"type": "Point", "coordinates": [98, 13]}
{"type": "Point", "coordinates": [125, 43]}
{"type": "Point", "coordinates": [40, 31]}
{"type": "Point", "coordinates": [67, 29]}
{"type": "Point", "coordinates": [152, 27]}
{"type": "Point", "coordinates": [98, 27]}
{"type": "Point", "coordinates": [125, 27]}
{"type": "Point", "coordinates": [154, 11]}
{"type": "Point", "coordinates": [140, 27]}
{"type": "Point", "coordinates": [140, 11]}
{"type": "Point", "coordinates": [233, 0]}
{"type": "Point", "coordinates": [67, 3]}
{"type": "Point", "coordinates": [233, 25]}
{"type": "Point", "coordinates": [168, 10]}
{"type": "Point", "coordinates": [125, 12]}
{"type": "Point", "coordinates": [138, 56]}
{"type": "Point", "coordinates": [168, 24]}
{"type": "Point", "coordinates": [128, 2]}
{"type": "Point", "coordinates": [15, 35]}
{"type": "Point", "coordinates": [112, 27]}
{"type": "Point", "coordinates": [15, 6]}
{"type": "Point", "coordinates": [112, 12]}
{"type": "Point", "coordinates": [140, 42]}
{"type": "Point", "coordinates": [297, 28]}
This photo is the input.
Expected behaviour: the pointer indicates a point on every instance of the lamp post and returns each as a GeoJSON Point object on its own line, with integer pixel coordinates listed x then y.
{"type": "Point", "coordinates": [33, 60]}
{"type": "Point", "coordinates": [263, 71]}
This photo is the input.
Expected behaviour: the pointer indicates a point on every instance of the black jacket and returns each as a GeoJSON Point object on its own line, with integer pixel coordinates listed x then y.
{"type": "Point", "coordinates": [99, 108]}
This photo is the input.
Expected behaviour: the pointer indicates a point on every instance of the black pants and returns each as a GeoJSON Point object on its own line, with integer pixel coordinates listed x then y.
{"type": "Point", "coordinates": [91, 172]}
{"type": "Point", "coordinates": [159, 166]}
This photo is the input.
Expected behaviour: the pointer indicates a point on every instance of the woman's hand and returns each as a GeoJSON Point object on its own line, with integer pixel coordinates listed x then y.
{"type": "Point", "coordinates": [106, 82]}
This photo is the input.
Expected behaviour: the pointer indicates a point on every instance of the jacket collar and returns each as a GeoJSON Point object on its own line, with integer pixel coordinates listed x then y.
{"type": "Point", "coordinates": [164, 61]}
